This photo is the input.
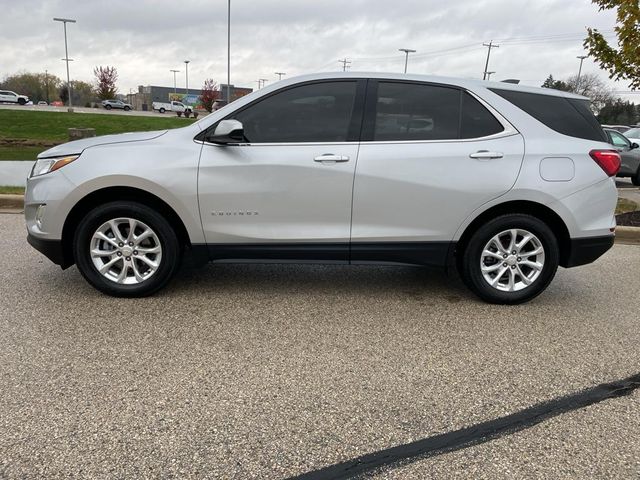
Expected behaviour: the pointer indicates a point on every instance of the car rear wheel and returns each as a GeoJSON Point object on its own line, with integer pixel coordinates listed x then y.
{"type": "Point", "coordinates": [126, 109]}
{"type": "Point", "coordinates": [126, 249]}
{"type": "Point", "coordinates": [108, 107]}
{"type": "Point", "coordinates": [510, 259]}
{"type": "Point", "coordinates": [162, 110]}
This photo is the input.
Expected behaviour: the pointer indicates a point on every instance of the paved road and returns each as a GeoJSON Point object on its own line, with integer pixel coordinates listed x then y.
{"type": "Point", "coordinates": [273, 371]}
{"type": "Point", "coordinates": [628, 190]}
{"type": "Point", "coordinates": [100, 110]}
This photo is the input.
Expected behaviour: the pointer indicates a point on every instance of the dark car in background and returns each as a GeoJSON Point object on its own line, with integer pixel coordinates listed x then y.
{"type": "Point", "coordinates": [629, 154]}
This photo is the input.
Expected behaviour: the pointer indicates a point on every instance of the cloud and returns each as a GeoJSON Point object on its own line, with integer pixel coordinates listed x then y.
{"type": "Point", "coordinates": [144, 39]}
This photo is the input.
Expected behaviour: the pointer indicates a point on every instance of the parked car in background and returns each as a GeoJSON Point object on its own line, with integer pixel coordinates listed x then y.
{"type": "Point", "coordinates": [617, 128]}
{"type": "Point", "coordinates": [7, 96]}
{"type": "Point", "coordinates": [109, 104]}
{"type": "Point", "coordinates": [42, 103]}
{"type": "Point", "coordinates": [633, 135]}
{"type": "Point", "coordinates": [173, 106]}
{"type": "Point", "coordinates": [629, 155]}
{"type": "Point", "coordinates": [501, 181]}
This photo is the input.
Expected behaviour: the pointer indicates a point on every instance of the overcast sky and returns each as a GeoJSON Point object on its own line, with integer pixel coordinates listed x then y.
{"type": "Point", "coordinates": [144, 39]}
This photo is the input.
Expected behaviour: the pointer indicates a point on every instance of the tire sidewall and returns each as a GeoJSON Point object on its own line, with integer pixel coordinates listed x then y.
{"type": "Point", "coordinates": [472, 274]}
{"type": "Point", "coordinates": [171, 251]}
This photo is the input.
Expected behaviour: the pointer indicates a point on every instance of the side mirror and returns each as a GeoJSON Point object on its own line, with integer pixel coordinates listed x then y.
{"type": "Point", "coordinates": [634, 145]}
{"type": "Point", "coordinates": [227, 132]}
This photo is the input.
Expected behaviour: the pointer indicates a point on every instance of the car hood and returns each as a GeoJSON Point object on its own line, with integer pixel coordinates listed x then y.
{"type": "Point", "coordinates": [78, 146]}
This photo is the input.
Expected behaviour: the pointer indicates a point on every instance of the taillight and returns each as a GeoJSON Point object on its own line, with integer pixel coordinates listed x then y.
{"type": "Point", "coordinates": [609, 160]}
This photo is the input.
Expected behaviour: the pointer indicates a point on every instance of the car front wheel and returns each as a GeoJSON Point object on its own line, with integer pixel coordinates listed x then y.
{"type": "Point", "coordinates": [126, 249]}
{"type": "Point", "coordinates": [510, 259]}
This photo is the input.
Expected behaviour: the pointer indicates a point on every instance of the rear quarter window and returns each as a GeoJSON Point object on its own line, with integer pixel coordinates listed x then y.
{"type": "Point", "coordinates": [568, 116]}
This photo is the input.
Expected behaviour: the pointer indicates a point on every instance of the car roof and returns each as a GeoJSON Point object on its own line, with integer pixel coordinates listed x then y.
{"type": "Point", "coordinates": [469, 83]}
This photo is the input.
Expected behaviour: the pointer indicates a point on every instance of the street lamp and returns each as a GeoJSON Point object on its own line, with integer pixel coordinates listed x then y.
{"type": "Point", "coordinates": [406, 51]}
{"type": "Point", "coordinates": [581, 57]}
{"type": "Point", "coordinates": [228, 52]}
{"type": "Point", "coordinates": [175, 88]}
{"type": "Point", "coordinates": [66, 57]}
{"type": "Point", "coordinates": [186, 74]}
{"type": "Point", "coordinates": [489, 75]}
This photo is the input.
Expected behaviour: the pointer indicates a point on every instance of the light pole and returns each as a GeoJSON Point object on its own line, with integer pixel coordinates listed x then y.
{"type": "Point", "coordinates": [406, 51]}
{"type": "Point", "coordinates": [46, 83]}
{"type": "Point", "coordinates": [228, 52]}
{"type": "Point", "coordinates": [489, 75]}
{"type": "Point", "coordinates": [280, 74]}
{"type": "Point", "coordinates": [186, 76]}
{"type": "Point", "coordinates": [581, 57]}
{"type": "Point", "coordinates": [66, 57]}
{"type": "Point", "coordinates": [489, 45]}
{"type": "Point", "coordinates": [175, 88]}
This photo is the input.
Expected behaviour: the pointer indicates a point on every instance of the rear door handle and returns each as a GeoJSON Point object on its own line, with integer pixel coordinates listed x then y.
{"type": "Point", "coordinates": [331, 158]}
{"type": "Point", "coordinates": [486, 155]}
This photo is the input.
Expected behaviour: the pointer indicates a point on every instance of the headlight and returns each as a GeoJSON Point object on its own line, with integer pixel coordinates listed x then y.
{"type": "Point", "coordinates": [46, 165]}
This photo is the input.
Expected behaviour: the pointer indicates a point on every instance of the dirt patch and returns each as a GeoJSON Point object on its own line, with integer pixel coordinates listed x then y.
{"type": "Point", "coordinates": [629, 219]}
{"type": "Point", "coordinates": [27, 142]}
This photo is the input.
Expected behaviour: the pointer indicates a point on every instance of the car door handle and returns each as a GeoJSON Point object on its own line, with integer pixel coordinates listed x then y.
{"type": "Point", "coordinates": [486, 155]}
{"type": "Point", "coordinates": [331, 158]}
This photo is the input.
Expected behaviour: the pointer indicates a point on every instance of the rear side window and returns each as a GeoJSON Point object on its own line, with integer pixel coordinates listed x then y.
{"type": "Point", "coordinates": [407, 111]}
{"type": "Point", "coordinates": [568, 116]}
{"type": "Point", "coordinates": [477, 121]}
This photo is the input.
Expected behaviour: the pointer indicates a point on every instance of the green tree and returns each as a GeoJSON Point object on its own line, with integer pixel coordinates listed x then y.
{"type": "Point", "coordinates": [623, 62]}
{"type": "Point", "coordinates": [83, 93]}
{"type": "Point", "coordinates": [551, 82]}
{"type": "Point", "coordinates": [37, 86]}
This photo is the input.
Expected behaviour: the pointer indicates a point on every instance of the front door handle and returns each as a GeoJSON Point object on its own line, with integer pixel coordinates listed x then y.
{"type": "Point", "coordinates": [486, 155]}
{"type": "Point", "coordinates": [331, 158]}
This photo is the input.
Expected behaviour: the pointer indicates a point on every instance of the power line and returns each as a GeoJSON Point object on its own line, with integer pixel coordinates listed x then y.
{"type": "Point", "coordinates": [345, 64]}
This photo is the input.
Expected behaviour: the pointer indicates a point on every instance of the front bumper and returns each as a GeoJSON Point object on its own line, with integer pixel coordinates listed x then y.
{"type": "Point", "coordinates": [52, 249]}
{"type": "Point", "coordinates": [586, 250]}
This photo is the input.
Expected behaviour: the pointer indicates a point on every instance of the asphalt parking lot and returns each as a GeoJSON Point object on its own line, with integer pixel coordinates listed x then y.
{"type": "Point", "coordinates": [275, 371]}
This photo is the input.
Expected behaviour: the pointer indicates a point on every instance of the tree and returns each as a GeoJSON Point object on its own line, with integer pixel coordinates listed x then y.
{"type": "Point", "coordinates": [37, 86]}
{"type": "Point", "coordinates": [591, 85]}
{"type": "Point", "coordinates": [622, 63]}
{"type": "Point", "coordinates": [210, 93]}
{"type": "Point", "coordinates": [106, 78]}
{"type": "Point", "coordinates": [82, 93]}
{"type": "Point", "coordinates": [551, 82]}
{"type": "Point", "coordinates": [619, 112]}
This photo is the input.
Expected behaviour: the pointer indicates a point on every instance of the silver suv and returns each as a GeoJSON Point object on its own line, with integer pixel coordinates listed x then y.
{"type": "Point", "coordinates": [109, 104]}
{"type": "Point", "coordinates": [500, 181]}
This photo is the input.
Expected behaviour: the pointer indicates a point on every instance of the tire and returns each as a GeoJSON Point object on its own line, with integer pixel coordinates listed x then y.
{"type": "Point", "coordinates": [126, 109]}
{"type": "Point", "coordinates": [108, 107]}
{"type": "Point", "coordinates": [22, 101]}
{"type": "Point", "coordinates": [518, 282]}
{"type": "Point", "coordinates": [162, 110]}
{"type": "Point", "coordinates": [635, 179]}
{"type": "Point", "coordinates": [139, 278]}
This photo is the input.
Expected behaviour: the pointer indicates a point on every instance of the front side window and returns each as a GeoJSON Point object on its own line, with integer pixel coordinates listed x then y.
{"type": "Point", "coordinates": [618, 139]}
{"type": "Point", "coordinates": [317, 112]}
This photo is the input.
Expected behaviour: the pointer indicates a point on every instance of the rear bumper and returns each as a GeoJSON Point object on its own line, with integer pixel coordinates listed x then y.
{"type": "Point", "coordinates": [586, 250]}
{"type": "Point", "coordinates": [52, 249]}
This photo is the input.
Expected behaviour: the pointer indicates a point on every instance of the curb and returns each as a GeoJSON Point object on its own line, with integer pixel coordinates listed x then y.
{"type": "Point", "coordinates": [15, 204]}
{"type": "Point", "coordinates": [628, 235]}
{"type": "Point", "coordinates": [11, 203]}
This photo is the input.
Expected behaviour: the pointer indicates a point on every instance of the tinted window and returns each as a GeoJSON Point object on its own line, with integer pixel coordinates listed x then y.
{"type": "Point", "coordinates": [407, 111]}
{"type": "Point", "coordinates": [319, 112]}
{"type": "Point", "coordinates": [477, 121]}
{"type": "Point", "coordinates": [571, 117]}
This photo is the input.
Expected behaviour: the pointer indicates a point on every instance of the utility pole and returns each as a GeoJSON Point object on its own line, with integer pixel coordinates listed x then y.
{"type": "Point", "coordinates": [175, 88]}
{"type": "Point", "coordinates": [489, 75]}
{"type": "Point", "coordinates": [46, 83]}
{"type": "Point", "coordinates": [66, 58]}
{"type": "Point", "coordinates": [406, 51]}
{"type": "Point", "coordinates": [228, 52]}
{"type": "Point", "coordinates": [345, 64]}
{"type": "Point", "coordinates": [280, 74]}
{"type": "Point", "coordinates": [490, 45]}
{"type": "Point", "coordinates": [262, 82]}
{"type": "Point", "coordinates": [186, 74]}
{"type": "Point", "coordinates": [581, 57]}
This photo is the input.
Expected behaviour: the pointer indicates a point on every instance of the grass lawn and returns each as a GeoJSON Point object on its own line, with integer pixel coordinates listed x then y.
{"type": "Point", "coordinates": [625, 206]}
{"type": "Point", "coordinates": [51, 128]}
{"type": "Point", "coordinates": [12, 190]}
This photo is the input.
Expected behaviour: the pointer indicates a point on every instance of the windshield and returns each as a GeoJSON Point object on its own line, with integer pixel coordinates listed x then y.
{"type": "Point", "coordinates": [633, 133]}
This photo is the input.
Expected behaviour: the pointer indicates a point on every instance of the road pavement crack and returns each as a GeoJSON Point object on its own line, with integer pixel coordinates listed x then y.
{"type": "Point", "coordinates": [475, 434]}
